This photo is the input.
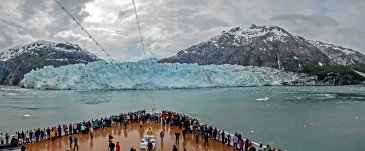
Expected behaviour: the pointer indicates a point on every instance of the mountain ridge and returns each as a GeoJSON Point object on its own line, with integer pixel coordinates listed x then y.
{"type": "Point", "coordinates": [270, 46]}
{"type": "Point", "coordinates": [17, 61]}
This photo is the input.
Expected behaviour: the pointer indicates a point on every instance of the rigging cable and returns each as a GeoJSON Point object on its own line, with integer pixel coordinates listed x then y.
{"type": "Point", "coordinates": [82, 28]}
{"type": "Point", "coordinates": [139, 29]}
{"type": "Point", "coordinates": [102, 49]}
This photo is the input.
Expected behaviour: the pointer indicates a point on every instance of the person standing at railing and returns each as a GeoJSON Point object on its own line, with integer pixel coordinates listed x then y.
{"type": "Point", "coordinates": [70, 130]}
{"type": "Point", "coordinates": [65, 129]}
{"type": "Point", "coordinates": [18, 134]}
{"type": "Point", "coordinates": [215, 132]}
{"type": "Point", "coordinates": [53, 135]}
{"type": "Point", "coordinates": [23, 136]}
{"type": "Point", "coordinates": [2, 138]}
{"type": "Point", "coordinates": [219, 135]}
{"type": "Point", "coordinates": [7, 136]}
{"type": "Point", "coordinates": [36, 134]}
{"type": "Point", "coordinates": [241, 144]}
{"type": "Point", "coordinates": [48, 133]}
{"type": "Point", "coordinates": [27, 137]}
{"type": "Point", "coordinates": [235, 140]}
{"type": "Point", "coordinates": [31, 136]}
{"type": "Point", "coordinates": [229, 137]}
{"type": "Point", "coordinates": [59, 130]}
{"type": "Point", "coordinates": [43, 134]}
{"type": "Point", "coordinates": [222, 136]}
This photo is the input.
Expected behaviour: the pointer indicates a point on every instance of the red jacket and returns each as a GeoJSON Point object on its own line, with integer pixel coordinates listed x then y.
{"type": "Point", "coordinates": [117, 147]}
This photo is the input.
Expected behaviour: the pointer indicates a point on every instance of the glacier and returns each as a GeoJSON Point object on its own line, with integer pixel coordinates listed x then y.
{"type": "Point", "coordinates": [102, 75]}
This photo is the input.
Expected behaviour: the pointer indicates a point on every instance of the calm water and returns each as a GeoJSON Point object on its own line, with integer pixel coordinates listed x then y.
{"type": "Point", "coordinates": [294, 118]}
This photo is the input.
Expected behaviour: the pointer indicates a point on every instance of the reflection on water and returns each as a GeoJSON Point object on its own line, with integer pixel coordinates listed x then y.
{"type": "Point", "coordinates": [93, 101]}
{"type": "Point", "coordinates": [295, 118]}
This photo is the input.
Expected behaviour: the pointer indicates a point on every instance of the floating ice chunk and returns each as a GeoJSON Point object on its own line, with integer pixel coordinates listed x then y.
{"type": "Point", "coordinates": [263, 99]}
{"type": "Point", "coordinates": [11, 94]}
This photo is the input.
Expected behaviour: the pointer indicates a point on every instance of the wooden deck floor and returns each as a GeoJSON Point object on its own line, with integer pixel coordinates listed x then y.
{"type": "Point", "coordinates": [128, 138]}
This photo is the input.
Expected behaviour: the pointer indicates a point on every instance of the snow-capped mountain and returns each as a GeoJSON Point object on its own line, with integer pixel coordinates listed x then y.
{"type": "Point", "coordinates": [15, 62]}
{"type": "Point", "coordinates": [270, 46]}
{"type": "Point", "coordinates": [101, 75]}
{"type": "Point", "coordinates": [50, 48]}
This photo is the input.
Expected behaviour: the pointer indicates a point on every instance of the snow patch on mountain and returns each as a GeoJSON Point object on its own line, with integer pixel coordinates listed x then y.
{"type": "Point", "coordinates": [320, 44]}
{"type": "Point", "coordinates": [339, 55]}
{"type": "Point", "coordinates": [41, 45]}
{"type": "Point", "coordinates": [272, 32]}
{"type": "Point", "coordinates": [102, 75]}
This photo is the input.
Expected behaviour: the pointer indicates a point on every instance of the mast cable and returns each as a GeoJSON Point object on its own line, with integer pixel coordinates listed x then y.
{"type": "Point", "coordinates": [139, 29]}
{"type": "Point", "coordinates": [103, 50]}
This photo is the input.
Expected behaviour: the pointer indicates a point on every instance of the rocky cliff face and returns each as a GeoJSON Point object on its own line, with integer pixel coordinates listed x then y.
{"type": "Point", "coordinates": [16, 62]}
{"type": "Point", "coordinates": [340, 55]}
{"type": "Point", "coordinates": [269, 46]}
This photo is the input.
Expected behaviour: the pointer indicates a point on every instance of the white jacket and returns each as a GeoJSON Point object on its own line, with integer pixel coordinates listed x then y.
{"type": "Point", "coordinates": [2, 137]}
{"type": "Point", "coordinates": [235, 139]}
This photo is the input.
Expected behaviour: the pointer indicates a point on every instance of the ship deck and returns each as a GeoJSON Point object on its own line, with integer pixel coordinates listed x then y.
{"type": "Point", "coordinates": [128, 138]}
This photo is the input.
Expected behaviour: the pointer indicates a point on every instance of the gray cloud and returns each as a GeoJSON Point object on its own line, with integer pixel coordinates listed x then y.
{"type": "Point", "coordinates": [316, 20]}
{"type": "Point", "coordinates": [171, 25]}
{"type": "Point", "coordinates": [341, 37]}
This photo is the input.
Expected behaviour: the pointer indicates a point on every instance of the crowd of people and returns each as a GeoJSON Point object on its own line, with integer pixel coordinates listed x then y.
{"type": "Point", "coordinates": [204, 132]}
{"type": "Point", "coordinates": [188, 126]}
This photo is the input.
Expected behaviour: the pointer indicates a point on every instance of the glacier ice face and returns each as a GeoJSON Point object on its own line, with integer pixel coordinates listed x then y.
{"type": "Point", "coordinates": [102, 75]}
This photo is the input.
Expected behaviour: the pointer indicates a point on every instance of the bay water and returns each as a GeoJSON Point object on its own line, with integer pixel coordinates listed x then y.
{"type": "Point", "coordinates": [292, 118]}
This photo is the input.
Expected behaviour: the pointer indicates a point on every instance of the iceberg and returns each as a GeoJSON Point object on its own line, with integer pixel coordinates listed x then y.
{"type": "Point", "coordinates": [102, 75]}
{"type": "Point", "coordinates": [263, 99]}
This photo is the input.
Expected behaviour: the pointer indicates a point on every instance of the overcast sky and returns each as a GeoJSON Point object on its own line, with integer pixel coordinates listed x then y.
{"type": "Point", "coordinates": [171, 25]}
